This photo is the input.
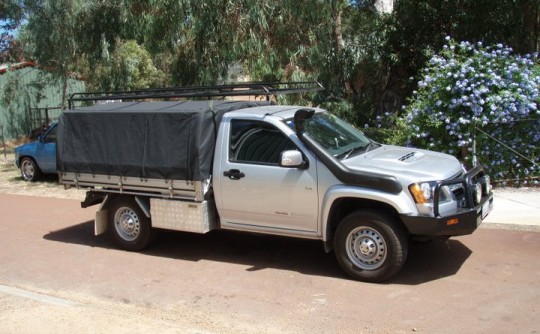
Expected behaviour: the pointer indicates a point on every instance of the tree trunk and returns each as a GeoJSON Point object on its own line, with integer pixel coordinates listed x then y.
{"type": "Point", "coordinates": [64, 89]}
{"type": "Point", "coordinates": [338, 35]}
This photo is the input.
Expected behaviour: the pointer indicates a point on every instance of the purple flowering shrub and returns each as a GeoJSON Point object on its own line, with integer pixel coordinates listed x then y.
{"type": "Point", "coordinates": [469, 91]}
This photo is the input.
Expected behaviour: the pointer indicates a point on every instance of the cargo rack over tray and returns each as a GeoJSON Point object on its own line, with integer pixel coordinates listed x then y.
{"type": "Point", "coordinates": [241, 89]}
{"type": "Point", "coordinates": [164, 138]}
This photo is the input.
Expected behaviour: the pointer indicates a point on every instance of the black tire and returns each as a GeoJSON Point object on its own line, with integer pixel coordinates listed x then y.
{"type": "Point", "coordinates": [30, 171]}
{"type": "Point", "coordinates": [129, 227]}
{"type": "Point", "coordinates": [370, 246]}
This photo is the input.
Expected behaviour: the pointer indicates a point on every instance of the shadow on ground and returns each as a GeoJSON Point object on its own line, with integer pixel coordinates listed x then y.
{"type": "Point", "coordinates": [44, 179]}
{"type": "Point", "coordinates": [47, 179]}
{"type": "Point", "coordinates": [426, 261]}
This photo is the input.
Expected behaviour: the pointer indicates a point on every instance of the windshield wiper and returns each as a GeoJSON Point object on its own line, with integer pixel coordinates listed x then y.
{"type": "Point", "coordinates": [364, 148]}
{"type": "Point", "coordinates": [348, 153]}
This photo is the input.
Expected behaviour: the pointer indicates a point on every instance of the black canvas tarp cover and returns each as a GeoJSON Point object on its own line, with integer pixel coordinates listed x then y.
{"type": "Point", "coordinates": [169, 140]}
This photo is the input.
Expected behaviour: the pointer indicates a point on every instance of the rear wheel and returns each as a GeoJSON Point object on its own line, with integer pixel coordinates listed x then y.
{"type": "Point", "coordinates": [129, 227]}
{"type": "Point", "coordinates": [370, 246]}
{"type": "Point", "coordinates": [29, 170]}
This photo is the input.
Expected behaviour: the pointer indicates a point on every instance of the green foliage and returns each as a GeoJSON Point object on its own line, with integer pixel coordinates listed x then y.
{"type": "Point", "coordinates": [99, 25]}
{"type": "Point", "coordinates": [11, 14]}
{"type": "Point", "coordinates": [11, 11]}
{"type": "Point", "coordinates": [129, 67]}
{"type": "Point", "coordinates": [416, 31]}
{"type": "Point", "coordinates": [51, 39]}
{"type": "Point", "coordinates": [209, 42]}
{"type": "Point", "coordinates": [468, 87]}
{"type": "Point", "coordinates": [366, 82]}
{"type": "Point", "coordinates": [362, 57]}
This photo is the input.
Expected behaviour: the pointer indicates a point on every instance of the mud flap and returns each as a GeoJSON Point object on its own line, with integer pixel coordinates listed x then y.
{"type": "Point", "coordinates": [100, 224]}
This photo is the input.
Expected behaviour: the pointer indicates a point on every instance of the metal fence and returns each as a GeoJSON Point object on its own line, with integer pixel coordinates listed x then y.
{"type": "Point", "coordinates": [524, 158]}
{"type": "Point", "coordinates": [3, 140]}
{"type": "Point", "coordinates": [41, 118]}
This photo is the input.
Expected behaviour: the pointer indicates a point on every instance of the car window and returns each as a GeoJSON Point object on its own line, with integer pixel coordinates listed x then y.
{"type": "Point", "coordinates": [336, 136]}
{"type": "Point", "coordinates": [257, 142]}
{"type": "Point", "coordinates": [51, 136]}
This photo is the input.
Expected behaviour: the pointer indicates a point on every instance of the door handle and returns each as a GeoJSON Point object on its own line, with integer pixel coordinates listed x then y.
{"type": "Point", "coordinates": [234, 174]}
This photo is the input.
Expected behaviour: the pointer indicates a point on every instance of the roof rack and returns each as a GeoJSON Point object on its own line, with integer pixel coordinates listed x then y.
{"type": "Point", "coordinates": [241, 89]}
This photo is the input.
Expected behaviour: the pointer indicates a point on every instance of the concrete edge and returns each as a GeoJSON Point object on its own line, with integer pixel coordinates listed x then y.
{"type": "Point", "coordinates": [510, 227]}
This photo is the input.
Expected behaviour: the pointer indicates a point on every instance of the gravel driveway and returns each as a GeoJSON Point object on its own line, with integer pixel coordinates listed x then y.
{"type": "Point", "coordinates": [11, 182]}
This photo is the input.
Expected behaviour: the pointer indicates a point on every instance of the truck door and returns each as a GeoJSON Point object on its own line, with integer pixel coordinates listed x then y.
{"type": "Point", "coordinates": [256, 191]}
{"type": "Point", "coordinates": [46, 152]}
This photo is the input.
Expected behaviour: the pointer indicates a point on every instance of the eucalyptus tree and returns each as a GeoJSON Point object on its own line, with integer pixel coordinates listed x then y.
{"type": "Point", "coordinates": [12, 13]}
{"type": "Point", "coordinates": [268, 39]}
{"type": "Point", "coordinates": [129, 67]}
{"type": "Point", "coordinates": [51, 38]}
{"type": "Point", "coordinates": [100, 25]}
{"type": "Point", "coordinates": [198, 42]}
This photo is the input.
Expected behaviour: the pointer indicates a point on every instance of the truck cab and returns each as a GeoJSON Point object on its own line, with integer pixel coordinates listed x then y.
{"type": "Point", "coordinates": [362, 198]}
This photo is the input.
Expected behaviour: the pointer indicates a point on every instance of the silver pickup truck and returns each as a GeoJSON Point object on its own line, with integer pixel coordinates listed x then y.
{"type": "Point", "coordinates": [257, 167]}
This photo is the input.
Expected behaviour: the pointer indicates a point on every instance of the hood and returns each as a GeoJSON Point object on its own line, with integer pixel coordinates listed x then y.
{"type": "Point", "coordinates": [409, 163]}
{"type": "Point", "coordinates": [28, 147]}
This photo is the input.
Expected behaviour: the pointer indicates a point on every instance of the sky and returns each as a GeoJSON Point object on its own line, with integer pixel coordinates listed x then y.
{"type": "Point", "coordinates": [2, 30]}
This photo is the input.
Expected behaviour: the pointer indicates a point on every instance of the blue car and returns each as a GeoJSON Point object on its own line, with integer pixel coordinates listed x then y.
{"type": "Point", "coordinates": [39, 157]}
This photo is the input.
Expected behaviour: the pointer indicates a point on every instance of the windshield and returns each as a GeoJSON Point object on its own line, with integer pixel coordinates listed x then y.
{"type": "Point", "coordinates": [337, 137]}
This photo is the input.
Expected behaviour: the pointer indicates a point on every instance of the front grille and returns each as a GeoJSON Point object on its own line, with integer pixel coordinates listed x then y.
{"type": "Point", "coordinates": [457, 190]}
{"type": "Point", "coordinates": [462, 186]}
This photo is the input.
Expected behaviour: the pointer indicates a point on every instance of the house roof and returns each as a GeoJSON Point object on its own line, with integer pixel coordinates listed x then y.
{"type": "Point", "coordinates": [5, 67]}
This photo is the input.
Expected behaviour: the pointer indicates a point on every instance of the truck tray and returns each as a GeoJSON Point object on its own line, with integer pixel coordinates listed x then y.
{"type": "Point", "coordinates": [165, 188]}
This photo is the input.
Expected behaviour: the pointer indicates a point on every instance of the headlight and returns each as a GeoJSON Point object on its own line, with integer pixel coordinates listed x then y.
{"type": "Point", "coordinates": [477, 193]}
{"type": "Point", "coordinates": [481, 188]}
{"type": "Point", "coordinates": [422, 192]}
{"type": "Point", "coordinates": [486, 184]}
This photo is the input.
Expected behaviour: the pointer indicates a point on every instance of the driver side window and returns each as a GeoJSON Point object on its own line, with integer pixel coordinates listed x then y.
{"type": "Point", "coordinates": [51, 136]}
{"type": "Point", "coordinates": [257, 142]}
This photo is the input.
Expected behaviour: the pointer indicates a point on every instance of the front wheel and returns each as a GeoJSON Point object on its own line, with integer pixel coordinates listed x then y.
{"type": "Point", "coordinates": [29, 170]}
{"type": "Point", "coordinates": [370, 246]}
{"type": "Point", "coordinates": [129, 227]}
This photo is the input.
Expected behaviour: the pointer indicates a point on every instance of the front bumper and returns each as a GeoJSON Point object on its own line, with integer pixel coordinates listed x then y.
{"type": "Point", "coordinates": [468, 216]}
{"type": "Point", "coordinates": [465, 221]}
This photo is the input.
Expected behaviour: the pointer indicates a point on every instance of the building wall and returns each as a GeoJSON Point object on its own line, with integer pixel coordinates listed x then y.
{"type": "Point", "coordinates": [27, 88]}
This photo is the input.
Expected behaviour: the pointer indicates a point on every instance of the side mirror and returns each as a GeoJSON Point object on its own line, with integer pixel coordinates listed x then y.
{"type": "Point", "coordinates": [292, 159]}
